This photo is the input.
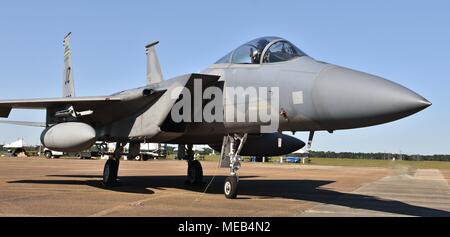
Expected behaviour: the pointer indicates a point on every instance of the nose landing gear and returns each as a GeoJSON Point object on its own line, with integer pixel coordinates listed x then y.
{"type": "Point", "coordinates": [231, 147]}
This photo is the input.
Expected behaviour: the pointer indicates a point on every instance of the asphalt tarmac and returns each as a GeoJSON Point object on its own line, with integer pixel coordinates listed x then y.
{"type": "Point", "coordinates": [70, 187]}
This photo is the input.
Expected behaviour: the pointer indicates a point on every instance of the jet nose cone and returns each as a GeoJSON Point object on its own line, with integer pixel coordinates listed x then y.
{"type": "Point", "coordinates": [402, 99]}
{"type": "Point", "coordinates": [424, 103]}
{"type": "Point", "coordinates": [354, 99]}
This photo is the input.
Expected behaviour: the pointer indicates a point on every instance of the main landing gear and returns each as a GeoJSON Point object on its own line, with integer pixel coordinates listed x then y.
{"type": "Point", "coordinates": [111, 169]}
{"type": "Point", "coordinates": [231, 147]}
{"type": "Point", "coordinates": [195, 170]}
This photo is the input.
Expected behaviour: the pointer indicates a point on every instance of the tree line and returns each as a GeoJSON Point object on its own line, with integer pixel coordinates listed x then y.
{"type": "Point", "coordinates": [377, 156]}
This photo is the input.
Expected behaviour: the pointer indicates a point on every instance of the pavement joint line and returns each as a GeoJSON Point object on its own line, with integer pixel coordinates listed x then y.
{"type": "Point", "coordinates": [386, 181]}
{"type": "Point", "coordinates": [128, 205]}
{"type": "Point", "coordinates": [337, 197]}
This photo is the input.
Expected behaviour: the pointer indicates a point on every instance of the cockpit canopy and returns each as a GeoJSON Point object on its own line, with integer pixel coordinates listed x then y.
{"type": "Point", "coordinates": [263, 50]}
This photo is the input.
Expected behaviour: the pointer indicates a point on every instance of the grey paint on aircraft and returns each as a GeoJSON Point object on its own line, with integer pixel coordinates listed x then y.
{"type": "Point", "coordinates": [69, 137]}
{"type": "Point", "coordinates": [154, 72]}
{"type": "Point", "coordinates": [314, 96]}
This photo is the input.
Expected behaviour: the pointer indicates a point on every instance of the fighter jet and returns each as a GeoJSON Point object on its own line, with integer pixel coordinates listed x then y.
{"type": "Point", "coordinates": [240, 106]}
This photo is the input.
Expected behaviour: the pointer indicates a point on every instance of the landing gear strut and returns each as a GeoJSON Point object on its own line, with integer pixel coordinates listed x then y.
{"type": "Point", "coordinates": [134, 151]}
{"type": "Point", "coordinates": [111, 169]}
{"type": "Point", "coordinates": [195, 170]}
{"type": "Point", "coordinates": [231, 147]}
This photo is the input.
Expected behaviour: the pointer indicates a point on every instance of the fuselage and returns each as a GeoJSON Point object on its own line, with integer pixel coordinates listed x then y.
{"type": "Point", "coordinates": [312, 96]}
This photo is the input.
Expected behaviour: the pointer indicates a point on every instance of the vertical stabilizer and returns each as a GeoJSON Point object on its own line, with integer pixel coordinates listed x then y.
{"type": "Point", "coordinates": [154, 73]}
{"type": "Point", "coordinates": [68, 85]}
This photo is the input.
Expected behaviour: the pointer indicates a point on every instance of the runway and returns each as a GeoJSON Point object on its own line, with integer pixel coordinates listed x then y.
{"type": "Point", "coordinates": [70, 187]}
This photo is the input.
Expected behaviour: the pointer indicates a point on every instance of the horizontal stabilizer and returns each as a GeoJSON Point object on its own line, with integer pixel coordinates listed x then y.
{"type": "Point", "coordinates": [24, 123]}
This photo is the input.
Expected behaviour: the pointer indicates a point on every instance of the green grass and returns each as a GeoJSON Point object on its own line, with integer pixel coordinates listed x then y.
{"type": "Point", "coordinates": [349, 162]}
{"type": "Point", "coordinates": [380, 163]}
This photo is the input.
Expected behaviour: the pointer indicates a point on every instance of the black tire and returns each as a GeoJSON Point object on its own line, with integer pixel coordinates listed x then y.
{"type": "Point", "coordinates": [57, 157]}
{"type": "Point", "coordinates": [48, 154]}
{"type": "Point", "coordinates": [194, 172]}
{"type": "Point", "coordinates": [231, 187]}
{"type": "Point", "coordinates": [134, 158]}
{"type": "Point", "coordinates": [110, 172]}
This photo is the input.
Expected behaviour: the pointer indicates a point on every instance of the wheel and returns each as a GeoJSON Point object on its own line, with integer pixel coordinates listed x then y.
{"type": "Point", "coordinates": [194, 172]}
{"type": "Point", "coordinates": [133, 158]}
{"type": "Point", "coordinates": [231, 187]}
{"type": "Point", "coordinates": [48, 154]}
{"type": "Point", "coordinates": [110, 172]}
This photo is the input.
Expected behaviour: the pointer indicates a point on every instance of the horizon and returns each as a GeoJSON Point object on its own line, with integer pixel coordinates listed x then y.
{"type": "Point", "coordinates": [408, 44]}
{"type": "Point", "coordinates": [326, 151]}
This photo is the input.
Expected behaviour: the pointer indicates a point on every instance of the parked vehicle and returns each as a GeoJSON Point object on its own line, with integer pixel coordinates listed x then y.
{"type": "Point", "coordinates": [97, 150]}
{"type": "Point", "coordinates": [152, 151]}
{"type": "Point", "coordinates": [52, 154]}
{"type": "Point", "coordinates": [293, 159]}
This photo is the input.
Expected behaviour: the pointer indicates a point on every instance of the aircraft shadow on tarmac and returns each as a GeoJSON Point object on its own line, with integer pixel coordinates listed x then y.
{"type": "Point", "coordinates": [303, 190]}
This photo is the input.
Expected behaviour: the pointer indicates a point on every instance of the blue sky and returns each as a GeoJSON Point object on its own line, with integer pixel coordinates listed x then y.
{"type": "Point", "coordinates": [405, 41]}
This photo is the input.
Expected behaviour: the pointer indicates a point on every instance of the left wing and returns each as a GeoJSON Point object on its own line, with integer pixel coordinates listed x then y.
{"type": "Point", "coordinates": [81, 102]}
